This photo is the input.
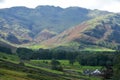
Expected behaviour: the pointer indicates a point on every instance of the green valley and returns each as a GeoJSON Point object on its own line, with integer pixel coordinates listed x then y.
{"type": "Point", "coordinates": [54, 43]}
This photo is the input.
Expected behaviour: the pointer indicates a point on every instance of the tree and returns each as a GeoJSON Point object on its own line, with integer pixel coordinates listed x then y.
{"type": "Point", "coordinates": [24, 53]}
{"type": "Point", "coordinates": [117, 67]}
{"type": "Point", "coordinates": [71, 56]}
{"type": "Point", "coordinates": [96, 59]}
{"type": "Point", "coordinates": [5, 50]}
{"type": "Point", "coordinates": [107, 73]}
{"type": "Point", "coordinates": [56, 65]}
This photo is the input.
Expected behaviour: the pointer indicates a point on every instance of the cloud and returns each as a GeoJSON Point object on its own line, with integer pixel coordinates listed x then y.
{"type": "Point", "coordinates": [110, 5]}
{"type": "Point", "coordinates": [1, 1]}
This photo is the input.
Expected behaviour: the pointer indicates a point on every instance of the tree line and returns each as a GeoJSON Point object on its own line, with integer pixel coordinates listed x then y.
{"type": "Point", "coordinates": [5, 50]}
{"type": "Point", "coordinates": [83, 57]}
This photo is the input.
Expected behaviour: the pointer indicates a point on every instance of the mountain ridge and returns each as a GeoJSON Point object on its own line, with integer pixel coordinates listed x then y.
{"type": "Point", "coordinates": [87, 33]}
{"type": "Point", "coordinates": [41, 25]}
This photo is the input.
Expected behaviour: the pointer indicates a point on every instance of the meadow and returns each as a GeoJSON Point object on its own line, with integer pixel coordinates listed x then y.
{"type": "Point", "coordinates": [11, 69]}
{"type": "Point", "coordinates": [72, 71]}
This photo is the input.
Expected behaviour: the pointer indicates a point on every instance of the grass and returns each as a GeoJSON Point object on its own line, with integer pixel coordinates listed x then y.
{"type": "Point", "coordinates": [45, 69]}
{"type": "Point", "coordinates": [13, 75]}
{"type": "Point", "coordinates": [9, 57]}
{"type": "Point", "coordinates": [12, 71]}
{"type": "Point", "coordinates": [65, 64]}
{"type": "Point", "coordinates": [97, 21]}
{"type": "Point", "coordinates": [40, 70]}
{"type": "Point", "coordinates": [34, 47]}
{"type": "Point", "coordinates": [68, 68]}
{"type": "Point", "coordinates": [98, 49]}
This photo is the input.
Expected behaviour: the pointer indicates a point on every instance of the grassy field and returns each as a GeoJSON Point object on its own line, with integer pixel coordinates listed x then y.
{"type": "Point", "coordinates": [75, 71]}
{"type": "Point", "coordinates": [13, 71]}
{"type": "Point", "coordinates": [12, 75]}
{"type": "Point", "coordinates": [9, 57]}
{"type": "Point", "coordinates": [10, 69]}
{"type": "Point", "coordinates": [98, 49]}
{"type": "Point", "coordinates": [35, 47]}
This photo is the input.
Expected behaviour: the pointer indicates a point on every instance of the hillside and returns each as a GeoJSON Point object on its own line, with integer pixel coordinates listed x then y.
{"type": "Point", "coordinates": [101, 32]}
{"type": "Point", "coordinates": [9, 70]}
{"type": "Point", "coordinates": [12, 69]}
{"type": "Point", "coordinates": [49, 27]}
{"type": "Point", "coordinates": [22, 25]}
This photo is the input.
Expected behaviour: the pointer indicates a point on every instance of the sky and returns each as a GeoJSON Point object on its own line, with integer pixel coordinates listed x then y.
{"type": "Point", "coordinates": [108, 5]}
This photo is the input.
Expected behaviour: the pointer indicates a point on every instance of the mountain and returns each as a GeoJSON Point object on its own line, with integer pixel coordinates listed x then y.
{"type": "Point", "coordinates": [22, 25]}
{"type": "Point", "coordinates": [101, 32]}
{"type": "Point", "coordinates": [44, 35]}
{"type": "Point", "coordinates": [50, 26]}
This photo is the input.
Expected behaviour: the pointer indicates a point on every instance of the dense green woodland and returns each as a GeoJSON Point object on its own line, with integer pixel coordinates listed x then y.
{"type": "Point", "coordinates": [83, 57]}
{"type": "Point", "coordinates": [117, 67]}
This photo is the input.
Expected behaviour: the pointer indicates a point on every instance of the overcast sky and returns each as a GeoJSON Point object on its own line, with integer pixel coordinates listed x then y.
{"type": "Point", "coordinates": [109, 5]}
